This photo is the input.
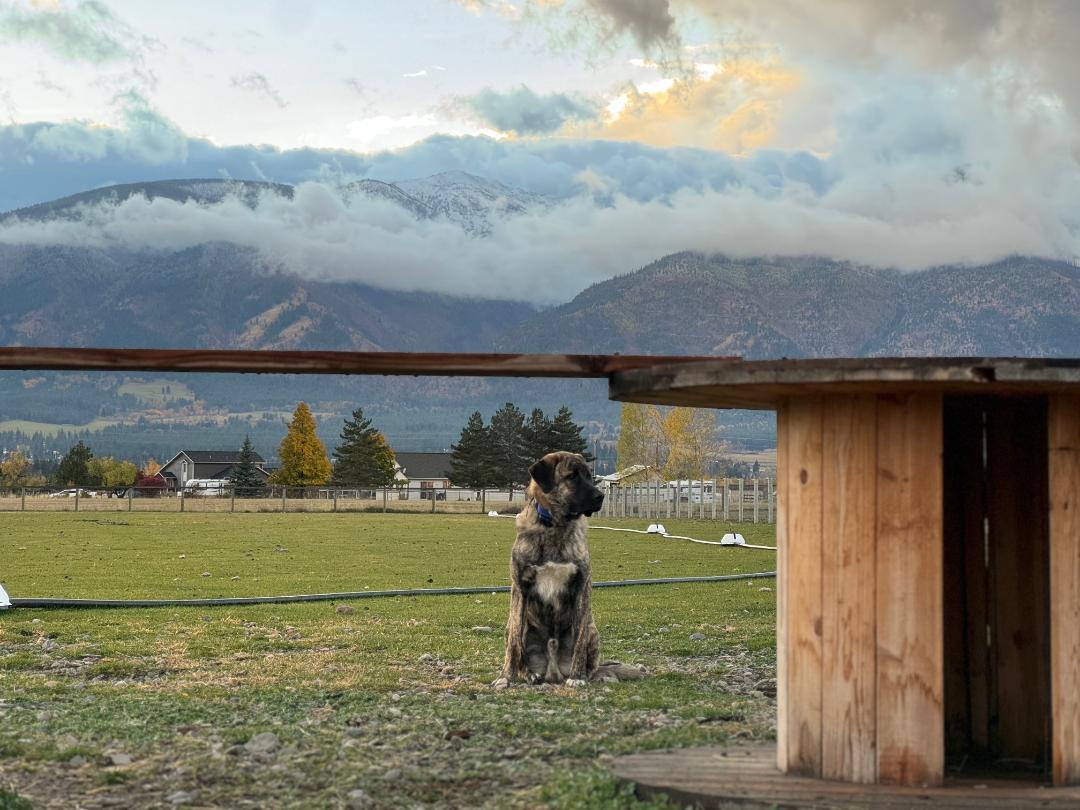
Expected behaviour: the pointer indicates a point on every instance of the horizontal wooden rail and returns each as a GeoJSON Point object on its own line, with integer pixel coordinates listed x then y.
{"type": "Point", "coordinates": [434, 364]}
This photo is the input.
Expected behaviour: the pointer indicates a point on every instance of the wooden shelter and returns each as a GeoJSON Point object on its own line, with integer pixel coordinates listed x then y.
{"type": "Point", "coordinates": [929, 534]}
{"type": "Point", "coordinates": [929, 570]}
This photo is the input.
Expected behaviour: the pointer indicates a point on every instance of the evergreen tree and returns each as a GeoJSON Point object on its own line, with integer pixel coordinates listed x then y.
{"type": "Point", "coordinates": [566, 434]}
{"type": "Point", "coordinates": [245, 477]}
{"type": "Point", "coordinates": [73, 471]}
{"type": "Point", "coordinates": [470, 458]}
{"type": "Point", "coordinates": [539, 435]}
{"type": "Point", "coordinates": [303, 455]}
{"type": "Point", "coordinates": [363, 457]}
{"type": "Point", "coordinates": [509, 457]}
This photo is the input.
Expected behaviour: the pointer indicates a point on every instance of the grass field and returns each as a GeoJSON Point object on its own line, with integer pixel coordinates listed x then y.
{"type": "Point", "coordinates": [383, 705]}
{"type": "Point", "coordinates": [153, 392]}
{"type": "Point", "coordinates": [50, 429]}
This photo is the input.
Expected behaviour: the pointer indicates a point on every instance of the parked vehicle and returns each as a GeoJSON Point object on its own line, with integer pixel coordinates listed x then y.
{"type": "Point", "coordinates": [207, 487]}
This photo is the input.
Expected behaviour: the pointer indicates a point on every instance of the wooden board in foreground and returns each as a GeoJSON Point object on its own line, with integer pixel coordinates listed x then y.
{"type": "Point", "coordinates": [432, 364]}
{"type": "Point", "coordinates": [748, 777]}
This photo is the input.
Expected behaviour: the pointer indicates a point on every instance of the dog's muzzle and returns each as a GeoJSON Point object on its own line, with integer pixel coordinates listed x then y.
{"type": "Point", "coordinates": [595, 504]}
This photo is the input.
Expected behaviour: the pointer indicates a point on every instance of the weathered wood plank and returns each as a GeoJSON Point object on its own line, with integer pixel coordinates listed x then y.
{"type": "Point", "coordinates": [1064, 485]}
{"type": "Point", "coordinates": [782, 642]}
{"type": "Point", "coordinates": [802, 606]}
{"type": "Point", "coordinates": [717, 777]}
{"type": "Point", "coordinates": [849, 666]}
{"type": "Point", "coordinates": [261, 361]}
{"type": "Point", "coordinates": [910, 689]}
{"type": "Point", "coordinates": [761, 384]}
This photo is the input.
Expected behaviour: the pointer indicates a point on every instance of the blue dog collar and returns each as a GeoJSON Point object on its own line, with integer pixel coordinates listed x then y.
{"type": "Point", "coordinates": [544, 516]}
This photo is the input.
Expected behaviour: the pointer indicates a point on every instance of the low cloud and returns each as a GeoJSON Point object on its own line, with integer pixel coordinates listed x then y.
{"type": "Point", "coordinates": [523, 112]}
{"type": "Point", "coordinates": [922, 220]}
{"type": "Point", "coordinates": [145, 136]}
{"type": "Point", "coordinates": [258, 84]}
{"type": "Point", "coordinates": [88, 32]}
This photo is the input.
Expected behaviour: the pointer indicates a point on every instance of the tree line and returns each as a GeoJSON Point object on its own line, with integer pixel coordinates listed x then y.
{"type": "Point", "coordinates": [498, 455]}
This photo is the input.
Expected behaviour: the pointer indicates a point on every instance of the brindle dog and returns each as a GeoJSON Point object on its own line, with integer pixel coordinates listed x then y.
{"type": "Point", "coordinates": [550, 635]}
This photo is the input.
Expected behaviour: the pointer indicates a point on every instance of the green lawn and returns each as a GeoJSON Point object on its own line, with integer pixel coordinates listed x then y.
{"type": "Point", "coordinates": [362, 700]}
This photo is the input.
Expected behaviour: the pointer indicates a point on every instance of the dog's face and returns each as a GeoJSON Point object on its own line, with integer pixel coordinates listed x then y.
{"type": "Point", "coordinates": [567, 485]}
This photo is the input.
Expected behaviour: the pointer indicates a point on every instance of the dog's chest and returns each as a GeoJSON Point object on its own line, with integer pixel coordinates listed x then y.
{"type": "Point", "coordinates": [552, 579]}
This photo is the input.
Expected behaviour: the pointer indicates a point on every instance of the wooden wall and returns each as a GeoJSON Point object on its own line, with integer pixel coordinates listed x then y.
{"type": "Point", "coordinates": [860, 592]}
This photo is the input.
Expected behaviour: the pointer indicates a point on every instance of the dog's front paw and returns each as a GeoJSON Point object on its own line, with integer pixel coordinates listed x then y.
{"type": "Point", "coordinates": [574, 682]}
{"type": "Point", "coordinates": [500, 683]}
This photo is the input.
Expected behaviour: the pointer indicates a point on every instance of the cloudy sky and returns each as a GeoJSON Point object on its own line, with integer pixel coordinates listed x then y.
{"type": "Point", "coordinates": [910, 133]}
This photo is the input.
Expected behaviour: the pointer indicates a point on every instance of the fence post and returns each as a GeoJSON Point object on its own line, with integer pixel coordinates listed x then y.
{"type": "Point", "coordinates": [755, 500]}
{"type": "Point", "coordinates": [335, 499]}
{"type": "Point", "coordinates": [715, 495]}
{"type": "Point", "coordinates": [23, 507]}
{"type": "Point", "coordinates": [77, 491]}
{"type": "Point", "coordinates": [433, 500]}
{"type": "Point", "coordinates": [232, 499]}
{"type": "Point", "coordinates": [384, 499]}
{"type": "Point", "coordinates": [483, 501]}
{"type": "Point", "coordinates": [131, 496]}
{"type": "Point", "coordinates": [742, 498]}
{"type": "Point", "coordinates": [181, 500]}
{"type": "Point", "coordinates": [769, 499]}
{"type": "Point", "coordinates": [284, 493]}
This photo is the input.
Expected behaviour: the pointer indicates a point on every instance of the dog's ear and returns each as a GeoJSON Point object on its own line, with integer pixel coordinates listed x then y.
{"type": "Point", "coordinates": [543, 473]}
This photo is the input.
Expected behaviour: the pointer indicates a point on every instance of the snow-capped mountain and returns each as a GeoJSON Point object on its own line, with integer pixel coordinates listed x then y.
{"type": "Point", "coordinates": [474, 203]}
{"type": "Point", "coordinates": [203, 191]}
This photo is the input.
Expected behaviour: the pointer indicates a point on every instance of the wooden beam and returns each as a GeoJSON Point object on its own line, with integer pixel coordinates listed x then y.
{"type": "Point", "coordinates": [436, 364]}
{"type": "Point", "coordinates": [849, 638]}
{"type": "Point", "coordinates": [1064, 444]}
{"type": "Point", "coordinates": [910, 667]}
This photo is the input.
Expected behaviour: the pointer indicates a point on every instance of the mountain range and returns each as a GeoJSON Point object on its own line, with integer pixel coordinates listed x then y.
{"type": "Point", "coordinates": [219, 294]}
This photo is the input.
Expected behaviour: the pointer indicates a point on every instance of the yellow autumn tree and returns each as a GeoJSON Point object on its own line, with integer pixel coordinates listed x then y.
{"type": "Point", "coordinates": [690, 435]}
{"type": "Point", "coordinates": [637, 436]}
{"type": "Point", "coordinates": [303, 455]}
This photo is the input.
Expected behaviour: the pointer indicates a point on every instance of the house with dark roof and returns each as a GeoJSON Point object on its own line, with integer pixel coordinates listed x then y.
{"type": "Point", "coordinates": [189, 464]}
{"type": "Point", "coordinates": [427, 471]}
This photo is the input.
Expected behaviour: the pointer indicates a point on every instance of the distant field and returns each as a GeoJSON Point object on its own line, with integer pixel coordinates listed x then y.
{"type": "Point", "coordinates": [157, 392]}
{"type": "Point", "coordinates": [50, 429]}
{"type": "Point", "coordinates": [363, 700]}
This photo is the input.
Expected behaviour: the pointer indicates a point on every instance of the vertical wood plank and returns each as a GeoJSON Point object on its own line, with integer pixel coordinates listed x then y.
{"type": "Point", "coordinates": [1064, 485]}
{"type": "Point", "coordinates": [803, 623]}
{"type": "Point", "coordinates": [910, 699]}
{"type": "Point", "coordinates": [782, 693]}
{"type": "Point", "coordinates": [849, 664]}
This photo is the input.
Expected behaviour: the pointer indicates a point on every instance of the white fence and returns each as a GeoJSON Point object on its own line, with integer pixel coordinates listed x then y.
{"type": "Point", "coordinates": [730, 499]}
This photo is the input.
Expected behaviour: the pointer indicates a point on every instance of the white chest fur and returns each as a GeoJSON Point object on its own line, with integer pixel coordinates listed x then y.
{"type": "Point", "coordinates": [552, 578]}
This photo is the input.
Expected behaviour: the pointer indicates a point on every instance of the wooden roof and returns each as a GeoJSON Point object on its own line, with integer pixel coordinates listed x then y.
{"type": "Point", "coordinates": [762, 384]}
